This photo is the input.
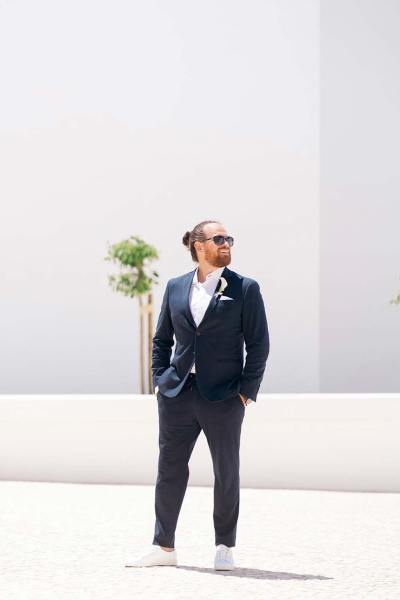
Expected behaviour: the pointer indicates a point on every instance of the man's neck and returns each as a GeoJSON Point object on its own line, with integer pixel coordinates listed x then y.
{"type": "Point", "coordinates": [203, 271]}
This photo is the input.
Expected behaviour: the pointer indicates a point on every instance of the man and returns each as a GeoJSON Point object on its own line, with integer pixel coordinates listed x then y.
{"type": "Point", "coordinates": [212, 311]}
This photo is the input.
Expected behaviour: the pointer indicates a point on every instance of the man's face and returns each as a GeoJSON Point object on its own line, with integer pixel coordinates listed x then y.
{"type": "Point", "coordinates": [218, 256]}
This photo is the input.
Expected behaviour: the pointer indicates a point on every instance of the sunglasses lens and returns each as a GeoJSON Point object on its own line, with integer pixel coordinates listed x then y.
{"type": "Point", "coordinates": [220, 239]}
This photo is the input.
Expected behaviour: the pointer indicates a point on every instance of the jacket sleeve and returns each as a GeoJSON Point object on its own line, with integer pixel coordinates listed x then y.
{"type": "Point", "coordinates": [163, 339]}
{"type": "Point", "coordinates": [256, 337]}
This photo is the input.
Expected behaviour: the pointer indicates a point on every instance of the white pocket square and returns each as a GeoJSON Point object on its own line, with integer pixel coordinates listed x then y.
{"type": "Point", "coordinates": [225, 298]}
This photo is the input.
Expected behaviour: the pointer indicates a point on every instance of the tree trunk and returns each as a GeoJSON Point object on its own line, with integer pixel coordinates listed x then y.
{"type": "Point", "coordinates": [141, 346]}
{"type": "Point", "coordinates": [150, 340]}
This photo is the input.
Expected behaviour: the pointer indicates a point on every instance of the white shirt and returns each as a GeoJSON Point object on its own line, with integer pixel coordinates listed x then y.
{"type": "Point", "coordinates": [200, 296]}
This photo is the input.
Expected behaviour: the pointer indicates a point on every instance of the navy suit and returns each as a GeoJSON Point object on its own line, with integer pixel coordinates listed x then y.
{"type": "Point", "coordinates": [216, 345]}
{"type": "Point", "coordinates": [209, 399]}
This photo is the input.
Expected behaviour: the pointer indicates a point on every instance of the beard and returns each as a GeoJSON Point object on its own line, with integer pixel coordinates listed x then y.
{"type": "Point", "coordinates": [218, 259]}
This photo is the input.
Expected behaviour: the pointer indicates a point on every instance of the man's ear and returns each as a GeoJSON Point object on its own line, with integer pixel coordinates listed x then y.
{"type": "Point", "coordinates": [198, 246]}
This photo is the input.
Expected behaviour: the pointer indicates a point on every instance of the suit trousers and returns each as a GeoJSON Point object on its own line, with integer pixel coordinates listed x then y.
{"type": "Point", "coordinates": [181, 420]}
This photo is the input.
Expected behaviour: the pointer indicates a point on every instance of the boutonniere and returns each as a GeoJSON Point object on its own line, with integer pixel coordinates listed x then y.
{"type": "Point", "coordinates": [223, 285]}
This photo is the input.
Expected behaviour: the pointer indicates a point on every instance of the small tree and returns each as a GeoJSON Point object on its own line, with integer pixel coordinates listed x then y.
{"type": "Point", "coordinates": [132, 256]}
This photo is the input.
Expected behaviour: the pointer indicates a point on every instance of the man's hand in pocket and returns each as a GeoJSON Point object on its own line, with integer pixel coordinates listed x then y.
{"type": "Point", "coordinates": [244, 399]}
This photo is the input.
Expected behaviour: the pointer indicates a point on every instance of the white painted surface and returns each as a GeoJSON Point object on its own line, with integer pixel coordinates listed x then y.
{"type": "Point", "coordinates": [359, 196]}
{"type": "Point", "coordinates": [157, 116]}
{"type": "Point", "coordinates": [303, 441]}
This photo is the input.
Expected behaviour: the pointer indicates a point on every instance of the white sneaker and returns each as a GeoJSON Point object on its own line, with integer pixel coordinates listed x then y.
{"type": "Point", "coordinates": [223, 558]}
{"type": "Point", "coordinates": [156, 558]}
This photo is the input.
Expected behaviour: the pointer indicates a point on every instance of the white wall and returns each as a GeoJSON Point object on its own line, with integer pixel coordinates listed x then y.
{"type": "Point", "coordinates": [122, 118]}
{"type": "Point", "coordinates": [295, 441]}
{"type": "Point", "coordinates": [360, 196]}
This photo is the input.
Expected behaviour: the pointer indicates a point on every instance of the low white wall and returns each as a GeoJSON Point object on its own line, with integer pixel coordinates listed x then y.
{"type": "Point", "coordinates": [299, 441]}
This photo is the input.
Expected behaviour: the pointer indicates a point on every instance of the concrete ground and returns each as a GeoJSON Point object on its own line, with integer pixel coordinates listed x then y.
{"type": "Point", "coordinates": [72, 541]}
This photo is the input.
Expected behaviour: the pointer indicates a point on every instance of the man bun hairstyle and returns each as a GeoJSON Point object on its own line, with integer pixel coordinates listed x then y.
{"type": "Point", "coordinates": [186, 239]}
{"type": "Point", "coordinates": [196, 235]}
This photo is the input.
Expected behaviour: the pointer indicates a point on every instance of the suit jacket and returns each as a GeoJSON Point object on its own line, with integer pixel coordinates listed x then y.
{"type": "Point", "coordinates": [216, 345]}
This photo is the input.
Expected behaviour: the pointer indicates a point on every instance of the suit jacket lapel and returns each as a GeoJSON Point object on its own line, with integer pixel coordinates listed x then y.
{"type": "Point", "coordinates": [187, 285]}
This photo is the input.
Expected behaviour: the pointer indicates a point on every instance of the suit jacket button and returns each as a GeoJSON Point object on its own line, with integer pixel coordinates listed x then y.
{"type": "Point", "coordinates": [197, 332]}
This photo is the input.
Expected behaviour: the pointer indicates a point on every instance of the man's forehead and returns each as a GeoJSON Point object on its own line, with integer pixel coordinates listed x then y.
{"type": "Point", "coordinates": [216, 230]}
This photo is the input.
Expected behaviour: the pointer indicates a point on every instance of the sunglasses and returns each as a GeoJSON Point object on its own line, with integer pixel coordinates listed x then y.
{"type": "Point", "coordinates": [220, 239]}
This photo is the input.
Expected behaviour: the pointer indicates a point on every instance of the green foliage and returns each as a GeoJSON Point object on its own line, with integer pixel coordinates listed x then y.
{"type": "Point", "coordinates": [132, 255]}
{"type": "Point", "coordinates": [396, 300]}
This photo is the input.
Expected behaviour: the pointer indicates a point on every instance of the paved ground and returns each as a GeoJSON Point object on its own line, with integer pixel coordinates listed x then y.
{"type": "Point", "coordinates": [72, 541]}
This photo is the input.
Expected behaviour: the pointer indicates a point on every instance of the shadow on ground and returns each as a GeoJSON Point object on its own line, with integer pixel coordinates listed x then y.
{"type": "Point", "coordinates": [254, 573]}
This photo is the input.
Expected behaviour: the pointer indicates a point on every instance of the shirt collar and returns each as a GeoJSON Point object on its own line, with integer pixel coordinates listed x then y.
{"type": "Point", "coordinates": [216, 274]}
